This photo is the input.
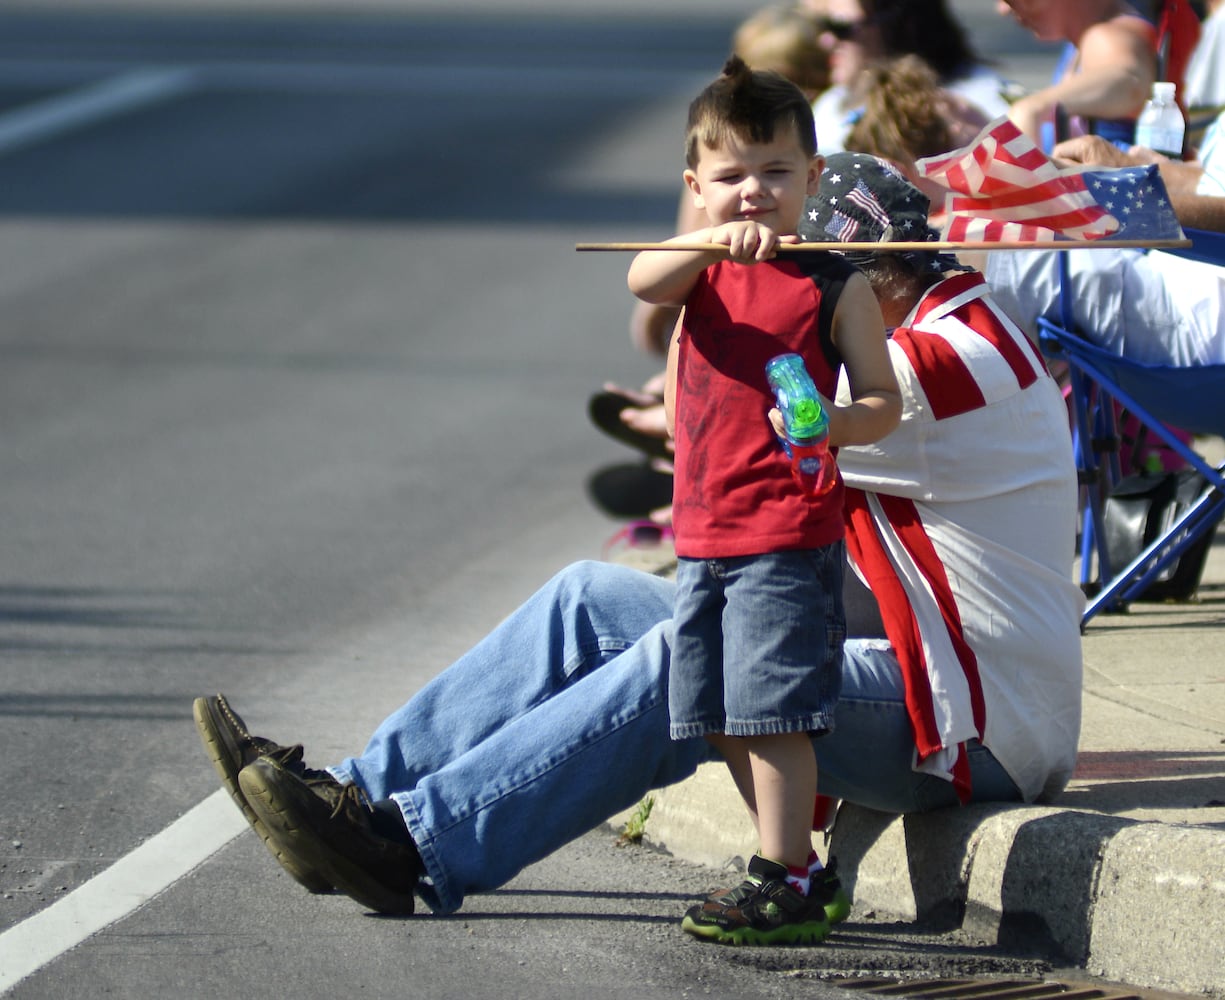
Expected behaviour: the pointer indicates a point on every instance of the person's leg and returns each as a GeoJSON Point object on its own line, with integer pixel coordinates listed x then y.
{"type": "Point", "coordinates": [1101, 296]}
{"type": "Point", "coordinates": [582, 618]}
{"type": "Point", "coordinates": [735, 754]}
{"type": "Point", "coordinates": [548, 776]}
{"type": "Point", "coordinates": [868, 757]}
{"type": "Point", "coordinates": [784, 783]}
{"type": "Point", "coordinates": [785, 626]}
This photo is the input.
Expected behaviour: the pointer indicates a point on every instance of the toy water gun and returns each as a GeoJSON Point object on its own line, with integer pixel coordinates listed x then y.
{"type": "Point", "coordinates": [806, 423]}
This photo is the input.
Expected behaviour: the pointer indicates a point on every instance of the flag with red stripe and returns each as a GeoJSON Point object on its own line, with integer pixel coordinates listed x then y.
{"type": "Point", "coordinates": [1002, 187]}
{"type": "Point", "coordinates": [944, 696]}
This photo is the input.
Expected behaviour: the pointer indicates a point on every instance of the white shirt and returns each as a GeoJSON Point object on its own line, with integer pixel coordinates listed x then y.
{"type": "Point", "coordinates": [1212, 158]}
{"type": "Point", "coordinates": [1155, 308]}
{"type": "Point", "coordinates": [1001, 522]}
{"type": "Point", "coordinates": [1204, 80]}
{"type": "Point", "coordinates": [984, 88]}
{"type": "Point", "coordinates": [833, 119]}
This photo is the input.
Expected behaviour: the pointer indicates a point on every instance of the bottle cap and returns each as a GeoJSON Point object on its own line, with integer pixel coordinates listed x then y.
{"type": "Point", "coordinates": [1163, 90]}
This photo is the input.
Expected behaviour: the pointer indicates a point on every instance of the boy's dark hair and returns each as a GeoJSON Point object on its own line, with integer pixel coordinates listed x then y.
{"type": "Point", "coordinates": [751, 104]}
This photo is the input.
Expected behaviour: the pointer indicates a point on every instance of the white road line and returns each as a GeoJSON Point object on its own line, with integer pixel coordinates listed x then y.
{"type": "Point", "coordinates": [307, 77]}
{"type": "Point", "coordinates": [123, 888]}
{"type": "Point", "coordinates": [46, 119]}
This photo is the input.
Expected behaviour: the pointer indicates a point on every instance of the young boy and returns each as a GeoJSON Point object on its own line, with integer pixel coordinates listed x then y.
{"type": "Point", "coordinates": [759, 624]}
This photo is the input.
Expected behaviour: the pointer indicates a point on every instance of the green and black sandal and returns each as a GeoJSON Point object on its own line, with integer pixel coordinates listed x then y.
{"type": "Point", "coordinates": [763, 909]}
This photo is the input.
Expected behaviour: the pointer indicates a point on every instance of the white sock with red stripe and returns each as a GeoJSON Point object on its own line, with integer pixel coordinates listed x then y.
{"type": "Point", "coordinates": [799, 880]}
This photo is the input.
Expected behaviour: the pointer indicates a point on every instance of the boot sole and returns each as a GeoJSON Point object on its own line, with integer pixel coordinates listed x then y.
{"type": "Point", "coordinates": [205, 710]}
{"type": "Point", "coordinates": [836, 910]}
{"type": "Point", "coordinates": [808, 933]}
{"type": "Point", "coordinates": [280, 809]}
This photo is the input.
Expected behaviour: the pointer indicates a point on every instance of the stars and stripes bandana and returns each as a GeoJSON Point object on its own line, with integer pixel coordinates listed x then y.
{"type": "Point", "coordinates": [863, 199]}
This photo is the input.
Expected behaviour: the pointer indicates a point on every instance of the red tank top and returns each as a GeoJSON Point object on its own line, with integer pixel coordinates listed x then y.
{"type": "Point", "coordinates": [734, 494]}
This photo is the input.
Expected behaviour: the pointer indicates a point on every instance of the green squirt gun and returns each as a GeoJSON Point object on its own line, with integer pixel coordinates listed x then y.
{"type": "Point", "coordinates": [806, 423]}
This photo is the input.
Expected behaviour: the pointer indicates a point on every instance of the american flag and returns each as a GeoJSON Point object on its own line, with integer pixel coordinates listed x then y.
{"type": "Point", "coordinates": [862, 196]}
{"type": "Point", "coordinates": [1002, 187]}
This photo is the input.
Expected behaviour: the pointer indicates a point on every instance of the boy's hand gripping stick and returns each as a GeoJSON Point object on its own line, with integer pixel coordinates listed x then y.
{"type": "Point", "coordinates": [806, 424]}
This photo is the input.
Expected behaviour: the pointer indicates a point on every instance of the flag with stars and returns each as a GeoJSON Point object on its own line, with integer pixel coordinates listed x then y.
{"type": "Point", "coordinates": [1002, 187]}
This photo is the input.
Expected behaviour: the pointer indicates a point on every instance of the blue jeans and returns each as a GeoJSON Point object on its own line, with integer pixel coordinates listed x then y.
{"type": "Point", "coordinates": [559, 718]}
{"type": "Point", "coordinates": [757, 643]}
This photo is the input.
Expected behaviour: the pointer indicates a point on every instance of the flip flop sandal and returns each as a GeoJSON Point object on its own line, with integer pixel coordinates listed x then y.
{"type": "Point", "coordinates": [605, 409]}
{"type": "Point", "coordinates": [631, 490]}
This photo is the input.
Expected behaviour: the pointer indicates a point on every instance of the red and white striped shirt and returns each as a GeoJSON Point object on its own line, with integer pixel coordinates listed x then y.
{"type": "Point", "coordinates": [962, 521]}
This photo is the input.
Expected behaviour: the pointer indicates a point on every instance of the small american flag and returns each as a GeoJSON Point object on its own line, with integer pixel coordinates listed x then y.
{"type": "Point", "coordinates": [1002, 187]}
{"type": "Point", "coordinates": [862, 196]}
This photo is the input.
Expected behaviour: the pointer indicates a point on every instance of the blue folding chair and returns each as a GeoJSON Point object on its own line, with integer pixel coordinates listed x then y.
{"type": "Point", "coordinates": [1160, 397]}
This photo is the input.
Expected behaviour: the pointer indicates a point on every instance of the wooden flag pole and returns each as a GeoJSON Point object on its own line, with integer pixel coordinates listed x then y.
{"type": "Point", "coordinates": [938, 246]}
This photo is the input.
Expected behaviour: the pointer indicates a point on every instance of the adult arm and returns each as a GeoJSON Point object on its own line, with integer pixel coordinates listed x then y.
{"type": "Point", "coordinates": [1200, 211]}
{"type": "Point", "coordinates": [1113, 77]}
{"type": "Point", "coordinates": [1181, 179]}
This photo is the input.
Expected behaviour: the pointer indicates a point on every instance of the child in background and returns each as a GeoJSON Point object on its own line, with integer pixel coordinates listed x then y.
{"type": "Point", "coordinates": [907, 116]}
{"type": "Point", "coordinates": [759, 624]}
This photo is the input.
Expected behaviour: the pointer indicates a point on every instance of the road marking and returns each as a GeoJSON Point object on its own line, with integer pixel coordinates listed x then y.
{"type": "Point", "coordinates": [119, 95]}
{"type": "Point", "coordinates": [307, 77]}
{"type": "Point", "coordinates": [121, 889]}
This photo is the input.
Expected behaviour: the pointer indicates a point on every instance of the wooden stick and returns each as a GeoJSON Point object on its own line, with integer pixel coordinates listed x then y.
{"type": "Point", "coordinates": [941, 245]}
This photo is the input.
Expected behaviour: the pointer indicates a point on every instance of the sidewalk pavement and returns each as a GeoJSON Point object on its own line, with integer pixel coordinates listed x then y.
{"type": "Point", "coordinates": [1123, 876]}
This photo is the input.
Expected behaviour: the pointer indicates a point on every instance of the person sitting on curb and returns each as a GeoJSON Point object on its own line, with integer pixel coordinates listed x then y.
{"type": "Point", "coordinates": [961, 521]}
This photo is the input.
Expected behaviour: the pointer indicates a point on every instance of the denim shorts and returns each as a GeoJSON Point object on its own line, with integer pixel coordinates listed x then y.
{"type": "Point", "coordinates": [757, 648]}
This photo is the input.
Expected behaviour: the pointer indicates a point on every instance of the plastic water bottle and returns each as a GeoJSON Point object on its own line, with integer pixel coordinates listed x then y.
{"type": "Point", "coordinates": [1160, 126]}
{"type": "Point", "coordinates": [806, 424]}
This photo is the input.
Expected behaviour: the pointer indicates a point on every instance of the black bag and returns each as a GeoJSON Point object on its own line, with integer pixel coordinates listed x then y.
{"type": "Point", "coordinates": [1142, 507]}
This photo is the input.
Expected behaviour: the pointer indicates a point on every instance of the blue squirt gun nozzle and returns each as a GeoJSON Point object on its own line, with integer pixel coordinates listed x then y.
{"type": "Point", "coordinates": [805, 421]}
{"type": "Point", "coordinates": [797, 399]}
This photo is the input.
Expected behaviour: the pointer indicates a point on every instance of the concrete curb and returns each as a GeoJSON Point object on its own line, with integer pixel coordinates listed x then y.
{"type": "Point", "coordinates": [1132, 901]}
{"type": "Point", "coordinates": [1129, 900]}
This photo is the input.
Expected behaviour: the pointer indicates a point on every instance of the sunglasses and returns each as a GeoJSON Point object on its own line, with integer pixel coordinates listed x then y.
{"type": "Point", "coordinates": [844, 31]}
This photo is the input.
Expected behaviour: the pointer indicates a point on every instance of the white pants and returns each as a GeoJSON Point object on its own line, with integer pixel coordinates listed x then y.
{"type": "Point", "coordinates": [1149, 306]}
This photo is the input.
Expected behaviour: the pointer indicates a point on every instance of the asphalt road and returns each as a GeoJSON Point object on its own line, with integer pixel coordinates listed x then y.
{"type": "Point", "coordinates": [293, 369]}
